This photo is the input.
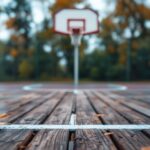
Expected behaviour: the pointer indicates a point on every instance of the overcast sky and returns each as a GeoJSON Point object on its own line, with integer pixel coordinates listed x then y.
{"type": "Point", "coordinates": [102, 6]}
{"type": "Point", "coordinates": [38, 16]}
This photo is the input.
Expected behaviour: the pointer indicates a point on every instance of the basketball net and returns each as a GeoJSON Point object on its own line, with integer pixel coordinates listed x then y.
{"type": "Point", "coordinates": [76, 37]}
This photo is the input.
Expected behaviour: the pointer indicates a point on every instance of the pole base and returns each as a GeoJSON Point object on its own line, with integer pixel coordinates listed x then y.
{"type": "Point", "coordinates": [75, 91]}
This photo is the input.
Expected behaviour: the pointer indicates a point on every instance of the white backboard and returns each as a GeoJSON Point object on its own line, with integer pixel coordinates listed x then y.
{"type": "Point", "coordinates": [68, 19]}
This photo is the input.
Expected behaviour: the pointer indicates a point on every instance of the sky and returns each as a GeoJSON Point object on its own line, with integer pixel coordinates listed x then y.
{"type": "Point", "coordinates": [38, 16]}
{"type": "Point", "coordinates": [103, 7]}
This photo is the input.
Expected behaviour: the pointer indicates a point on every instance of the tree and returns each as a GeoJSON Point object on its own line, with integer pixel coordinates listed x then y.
{"type": "Point", "coordinates": [61, 44]}
{"type": "Point", "coordinates": [133, 16]}
{"type": "Point", "coordinates": [60, 4]}
{"type": "Point", "coordinates": [19, 19]}
{"type": "Point", "coordinates": [129, 18]}
{"type": "Point", "coordinates": [19, 22]}
{"type": "Point", "coordinates": [25, 69]}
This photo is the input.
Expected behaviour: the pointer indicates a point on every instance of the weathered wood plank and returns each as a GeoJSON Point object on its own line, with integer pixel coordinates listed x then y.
{"type": "Point", "coordinates": [55, 139]}
{"type": "Point", "coordinates": [90, 139]}
{"type": "Point", "coordinates": [15, 139]}
{"type": "Point", "coordinates": [23, 109]}
{"type": "Point", "coordinates": [137, 106]}
{"type": "Point", "coordinates": [145, 99]}
{"type": "Point", "coordinates": [126, 112]}
{"type": "Point", "coordinates": [139, 100]}
{"type": "Point", "coordinates": [22, 101]}
{"type": "Point", "coordinates": [138, 96]}
{"type": "Point", "coordinates": [110, 110]}
{"type": "Point", "coordinates": [11, 104]}
{"type": "Point", "coordinates": [124, 139]}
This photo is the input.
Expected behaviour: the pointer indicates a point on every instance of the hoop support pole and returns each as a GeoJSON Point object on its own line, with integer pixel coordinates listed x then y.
{"type": "Point", "coordinates": [76, 66]}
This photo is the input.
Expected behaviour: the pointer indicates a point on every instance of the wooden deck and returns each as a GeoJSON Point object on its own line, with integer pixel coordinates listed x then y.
{"type": "Point", "coordinates": [90, 107]}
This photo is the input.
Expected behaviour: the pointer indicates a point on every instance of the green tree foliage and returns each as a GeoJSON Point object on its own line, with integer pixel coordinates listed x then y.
{"type": "Point", "coordinates": [19, 12]}
{"type": "Point", "coordinates": [29, 55]}
{"type": "Point", "coordinates": [129, 17]}
{"type": "Point", "coordinates": [132, 15]}
{"type": "Point", "coordinates": [18, 23]}
{"type": "Point", "coordinates": [25, 69]}
{"type": "Point", "coordinates": [61, 44]}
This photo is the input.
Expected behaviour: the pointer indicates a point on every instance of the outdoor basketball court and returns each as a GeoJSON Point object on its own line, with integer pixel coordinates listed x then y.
{"type": "Point", "coordinates": [46, 116]}
{"type": "Point", "coordinates": [80, 116]}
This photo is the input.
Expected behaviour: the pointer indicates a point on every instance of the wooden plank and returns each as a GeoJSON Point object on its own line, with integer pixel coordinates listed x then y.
{"type": "Point", "coordinates": [11, 104]}
{"type": "Point", "coordinates": [133, 99]}
{"type": "Point", "coordinates": [124, 139]}
{"type": "Point", "coordinates": [22, 101]}
{"type": "Point", "coordinates": [139, 96]}
{"type": "Point", "coordinates": [15, 139]}
{"type": "Point", "coordinates": [23, 109]}
{"type": "Point", "coordinates": [140, 100]}
{"type": "Point", "coordinates": [137, 106]}
{"type": "Point", "coordinates": [132, 116]}
{"type": "Point", "coordinates": [128, 113]}
{"type": "Point", "coordinates": [125, 111]}
{"type": "Point", "coordinates": [90, 139]}
{"type": "Point", "coordinates": [55, 139]}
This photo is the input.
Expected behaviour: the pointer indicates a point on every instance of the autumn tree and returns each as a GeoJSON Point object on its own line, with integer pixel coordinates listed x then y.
{"type": "Point", "coordinates": [58, 43]}
{"type": "Point", "coordinates": [122, 30]}
{"type": "Point", "coordinates": [19, 13]}
{"type": "Point", "coordinates": [60, 4]}
{"type": "Point", "coordinates": [132, 15]}
{"type": "Point", "coordinates": [18, 23]}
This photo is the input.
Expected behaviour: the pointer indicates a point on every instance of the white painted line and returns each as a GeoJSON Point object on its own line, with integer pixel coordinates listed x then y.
{"type": "Point", "coordinates": [31, 87]}
{"type": "Point", "coordinates": [26, 88]}
{"type": "Point", "coordinates": [117, 87]}
{"type": "Point", "coordinates": [75, 127]}
{"type": "Point", "coordinates": [40, 87]}
{"type": "Point", "coordinates": [73, 119]}
{"type": "Point", "coordinates": [76, 92]}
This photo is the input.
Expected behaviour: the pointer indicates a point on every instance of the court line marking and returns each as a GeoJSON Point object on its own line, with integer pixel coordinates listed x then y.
{"type": "Point", "coordinates": [31, 87]}
{"type": "Point", "coordinates": [111, 87]}
{"type": "Point", "coordinates": [74, 127]}
{"type": "Point", "coordinates": [72, 119]}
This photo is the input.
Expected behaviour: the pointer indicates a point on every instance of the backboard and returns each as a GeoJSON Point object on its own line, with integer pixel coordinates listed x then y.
{"type": "Point", "coordinates": [68, 21]}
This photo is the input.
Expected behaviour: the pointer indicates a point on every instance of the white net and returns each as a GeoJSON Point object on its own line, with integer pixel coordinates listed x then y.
{"type": "Point", "coordinates": [76, 39]}
{"type": "Point", "coordinates": [76, 36]}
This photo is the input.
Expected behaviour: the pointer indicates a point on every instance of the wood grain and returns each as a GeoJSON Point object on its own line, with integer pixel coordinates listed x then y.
{"type": "Point", "coordinates": [14, 139]}
{"type": "Point", "coordinates": [55, 139]}
{"type": "Point", "coordinates": [90, 139]}
{"type": "Point", "coordinates": [124, 139]}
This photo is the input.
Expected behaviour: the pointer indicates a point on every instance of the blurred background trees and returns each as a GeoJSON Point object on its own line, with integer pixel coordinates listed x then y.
{"type": "Point", "coordinates": [32, 51]}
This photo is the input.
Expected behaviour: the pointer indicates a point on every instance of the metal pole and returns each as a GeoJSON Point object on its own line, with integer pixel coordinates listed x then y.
{"type": "Point", "coordinates": [129, 60]}
{"type": "Point", "coordinates": [76, 66]}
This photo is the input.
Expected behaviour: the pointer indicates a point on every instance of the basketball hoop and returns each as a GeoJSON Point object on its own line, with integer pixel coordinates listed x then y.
{"type": "Point", "coordinates": [76, 23]}
{"type": "Point", "coordinates": [76, 36]}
